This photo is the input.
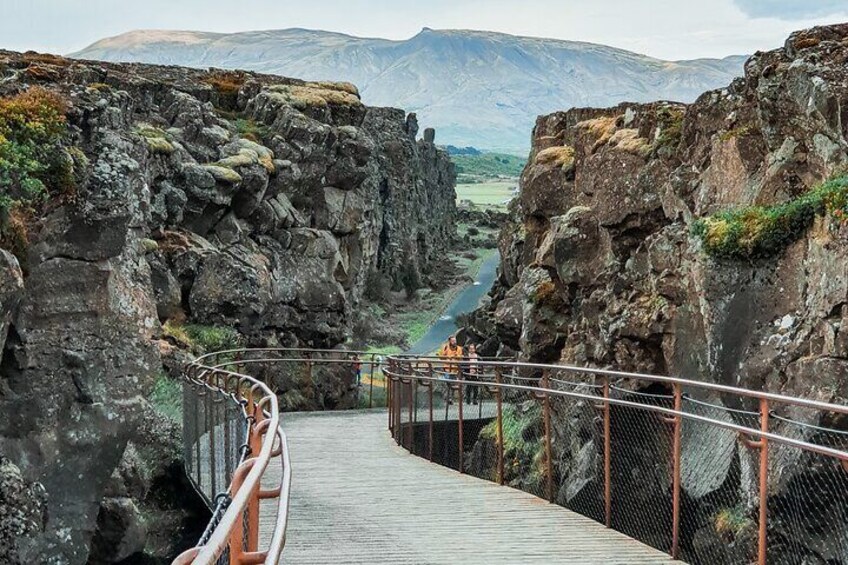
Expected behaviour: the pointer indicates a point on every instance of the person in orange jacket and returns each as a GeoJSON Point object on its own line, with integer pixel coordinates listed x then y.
{"type": "Point", "coordinates": [451, 351]}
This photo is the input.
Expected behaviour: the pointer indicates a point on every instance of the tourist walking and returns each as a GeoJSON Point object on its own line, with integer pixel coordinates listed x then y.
{"type": "Point", "coordinates": [451, 351]}
{"type": "Point", "coordinates": [357, 368]}
{"type": "Point", "coordinates": [472, 372]}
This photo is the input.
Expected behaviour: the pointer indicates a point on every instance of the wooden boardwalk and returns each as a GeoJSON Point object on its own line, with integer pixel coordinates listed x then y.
{"type": "Point", "coordinates": [359, 498]}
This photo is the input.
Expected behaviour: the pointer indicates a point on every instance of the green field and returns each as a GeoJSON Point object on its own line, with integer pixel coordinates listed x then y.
{"type": "Point", "coordinates": [485, 166]}
{"type": "Point", "coordinates": [491, 193]}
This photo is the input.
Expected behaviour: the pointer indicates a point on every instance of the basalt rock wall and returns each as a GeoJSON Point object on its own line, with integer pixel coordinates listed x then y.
{"type": "Point", "coordinates": [221, 199]}
{"type": "Point", "coordinates": [620, 253]}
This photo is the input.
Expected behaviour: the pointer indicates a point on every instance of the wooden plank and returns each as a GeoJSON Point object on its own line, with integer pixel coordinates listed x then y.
{"type": "Point", "coordinates": [359, 498]}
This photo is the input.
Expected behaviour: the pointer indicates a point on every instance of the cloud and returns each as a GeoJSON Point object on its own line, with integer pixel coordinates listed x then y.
{"type": "Point", "coordinates": [791, 9]}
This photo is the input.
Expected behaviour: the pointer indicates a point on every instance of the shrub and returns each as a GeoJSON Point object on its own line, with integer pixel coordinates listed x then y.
{"type": "Point", "coordinates": [730, 523]}
{"type": "Point", "coordinates": [33, 162]}
{"type": "Point", "coordinates": [764, 231]}
{"type": "Point", "coordinates": [670, 121]}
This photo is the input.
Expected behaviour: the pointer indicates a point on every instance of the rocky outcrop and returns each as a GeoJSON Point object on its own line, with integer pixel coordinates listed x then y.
{"type": "Point", "coordinates": [216, 198]}
{"type": "Point", "coordinates": [602, 265]}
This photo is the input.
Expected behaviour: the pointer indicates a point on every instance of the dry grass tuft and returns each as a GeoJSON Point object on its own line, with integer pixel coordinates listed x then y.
{"type": "Point", "coordinates": [562, 156]}
{"type": "Point", "coordinates": [629, 140]}
{"type": "Point", "coordinates": [317, 95]}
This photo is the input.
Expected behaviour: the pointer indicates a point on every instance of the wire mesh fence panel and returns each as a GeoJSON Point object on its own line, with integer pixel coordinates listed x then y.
{"type": "Point", "coordinates": [641, 462]}
{"type": "Point", "coordinates": [807, 496]}
{"type": "Point", "coordinates": [578, 448]}
{"type": "Point", "coordinates": [719, 485]}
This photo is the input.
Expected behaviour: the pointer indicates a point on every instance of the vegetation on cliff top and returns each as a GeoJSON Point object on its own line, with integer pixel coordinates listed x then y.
{"type": "Point", "coordinates": [764, 231]}
{"type": "Point", "coordinates": [34, 165]}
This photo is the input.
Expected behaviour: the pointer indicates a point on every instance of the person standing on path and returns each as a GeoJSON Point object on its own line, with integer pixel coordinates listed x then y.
{"type": "Point", "coordinates": [451, 351]}
{"type": "Point", "coordinates": [472, 392]}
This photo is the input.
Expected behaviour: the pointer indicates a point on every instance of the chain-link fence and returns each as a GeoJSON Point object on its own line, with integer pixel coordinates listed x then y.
{"type": "Point", "coordinates": [709, 474]}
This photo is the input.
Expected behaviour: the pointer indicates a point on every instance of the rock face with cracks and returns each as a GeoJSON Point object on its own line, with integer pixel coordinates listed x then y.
{"type": "Point", "coordinates": [215, 198]}
{"type": "Point", "coordinates": [604, 264]}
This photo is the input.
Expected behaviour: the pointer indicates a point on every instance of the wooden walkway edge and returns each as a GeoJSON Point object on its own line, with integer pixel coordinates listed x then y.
{"type": "Point", "coordinates": [359, 498]}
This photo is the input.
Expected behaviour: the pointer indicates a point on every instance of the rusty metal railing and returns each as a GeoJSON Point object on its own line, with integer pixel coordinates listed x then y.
{"type": "Point", "coordinates": [708, 473]}
{"type": "Point", "coordinates": [232, 436]}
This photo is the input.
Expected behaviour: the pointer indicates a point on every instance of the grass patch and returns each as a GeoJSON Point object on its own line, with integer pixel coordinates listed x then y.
{"type": "Point", "coordinates": [202, 339]}
{"type": "Point", "coordinates": [485, 166]}
{"type": "Point", "coordinates": [764, 231]}
{"type": "Point", "coordinates": [251, 129]}
{"type": "Point", "coordinates": [496, 193]}
{"type": "Point", "coordinates": [167, 397]}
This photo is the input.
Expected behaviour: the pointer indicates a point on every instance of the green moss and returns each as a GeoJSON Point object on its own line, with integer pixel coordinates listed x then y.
{"type": "Point", "coordinates": [523, 446]}
{"type": "Point", "coordinates": [158, 140]}
{"type": "Point", "coordinates": [167, 397]}
{"type": "Point", "coordinates": [765, 231]}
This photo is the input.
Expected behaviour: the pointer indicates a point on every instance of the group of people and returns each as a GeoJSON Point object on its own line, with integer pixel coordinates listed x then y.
{"type": "Point", "coordinates": [463, 364]}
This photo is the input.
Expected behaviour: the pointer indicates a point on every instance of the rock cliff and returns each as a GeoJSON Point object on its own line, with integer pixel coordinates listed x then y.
{"type": "Point", "coordinates": [136, 197]}
{"type": "Point", "coordinates": [705, 241]}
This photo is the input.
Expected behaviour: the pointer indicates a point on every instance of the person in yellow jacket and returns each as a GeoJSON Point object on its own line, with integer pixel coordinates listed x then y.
{"type": "Point", "coordinates": [451, 351]}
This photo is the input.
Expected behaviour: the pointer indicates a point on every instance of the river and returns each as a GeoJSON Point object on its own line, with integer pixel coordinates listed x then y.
{"type": "Point", "coordinates": [466, 301]}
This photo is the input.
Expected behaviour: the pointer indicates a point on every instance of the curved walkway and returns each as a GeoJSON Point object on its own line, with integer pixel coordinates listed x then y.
{"type": "Point", "coordinates": [357, 497]}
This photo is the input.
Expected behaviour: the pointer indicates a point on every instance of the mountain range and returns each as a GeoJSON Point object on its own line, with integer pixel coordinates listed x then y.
{"type": "Point", "coordinates": [476, 88]}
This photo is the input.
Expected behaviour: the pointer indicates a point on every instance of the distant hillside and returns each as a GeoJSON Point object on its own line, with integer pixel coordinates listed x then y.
{"type": "Point", "coordinates": [476, 88]}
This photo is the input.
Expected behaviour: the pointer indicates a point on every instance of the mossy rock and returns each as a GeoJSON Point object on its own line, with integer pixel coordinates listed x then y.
{"type": "Point", "coordinates": [223, 174]}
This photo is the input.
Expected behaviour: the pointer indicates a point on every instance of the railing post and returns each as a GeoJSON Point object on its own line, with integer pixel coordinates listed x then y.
{"type": "Point", "coordinates": [764, 453]}
{"type": "Point", "coordinates": [500, 441]}
{"type": "Point", "coordinates": [210, 431]}
{"type": "Point", "coordinates": [390, 406]}
{"type": "Point", "coordinates": [546, 407]}
{"type": "Point", "coordinates": [430, 398]}
{"type": "Point", "coordinates": [371, 384]}
{"type": "Point", "coordinates": [607, 457]}
{"type": "Point", "coordinates": [675, 504]}
{"type": "Point", "coordinates": [409, 422]}
{"type": "Point", "coordinates": [460, 401]}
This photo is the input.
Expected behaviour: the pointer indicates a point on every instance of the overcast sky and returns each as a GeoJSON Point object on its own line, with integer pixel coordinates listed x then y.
{"type": "Point", "coordinates": [670, 29]}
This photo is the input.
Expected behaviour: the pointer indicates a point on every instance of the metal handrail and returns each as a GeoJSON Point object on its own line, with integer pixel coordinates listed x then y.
{"type": "Point", "coordinates": [405, 374]}
{"type": "Point", "coordinates": [839, 454]}
{"type": "Point", "coordinates": [246, 483]}
{"type": "Point", "coordinates": [491, 375]}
